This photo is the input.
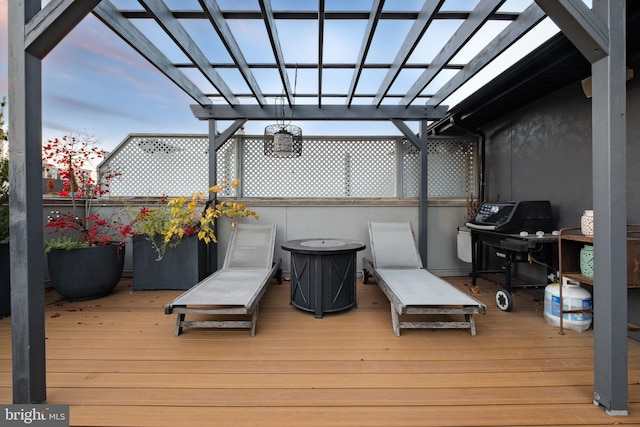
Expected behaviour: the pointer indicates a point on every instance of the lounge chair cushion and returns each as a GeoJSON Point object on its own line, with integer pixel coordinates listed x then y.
{"type": "Point", "coordinates": [393, 246]}
{"type": "Point", "coordinates": [251, 249]}
{"type": "Point", "coordinates": [241, 289]}
{"type": "Point", "coordinates": [423, 288]}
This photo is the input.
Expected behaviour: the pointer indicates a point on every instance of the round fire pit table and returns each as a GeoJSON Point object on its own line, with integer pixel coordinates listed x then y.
{"type": "Point", "coordinates": [323, 274]}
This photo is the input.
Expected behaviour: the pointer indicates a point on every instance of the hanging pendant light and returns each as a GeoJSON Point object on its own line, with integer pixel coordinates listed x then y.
{"type": "Point", "coordinates": [280, 139]}
{"type": "Point", "coordinates": [282, 142]}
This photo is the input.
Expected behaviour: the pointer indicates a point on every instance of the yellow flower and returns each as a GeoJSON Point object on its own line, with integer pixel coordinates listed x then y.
{"type": "Point", "coordinates": [197, 215]}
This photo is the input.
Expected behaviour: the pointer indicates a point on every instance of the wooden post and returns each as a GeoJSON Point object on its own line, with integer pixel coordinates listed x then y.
{"type": "Point", "coordinates": [25, 206]}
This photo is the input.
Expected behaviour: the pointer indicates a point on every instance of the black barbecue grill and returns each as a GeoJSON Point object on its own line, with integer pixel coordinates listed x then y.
{"type": "Point", "coordinates": [519, 232]}
{"type": "Point", "coordinates": [513, 217]}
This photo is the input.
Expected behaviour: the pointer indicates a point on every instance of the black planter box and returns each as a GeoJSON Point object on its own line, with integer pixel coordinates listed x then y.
{"type": "Point", "coordinates": [180, 268]}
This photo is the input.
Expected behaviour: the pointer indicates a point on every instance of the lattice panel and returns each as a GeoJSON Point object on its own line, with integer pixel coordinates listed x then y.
{"type": "Point", "coordinates": [328, 168]}
{"type": "Point", "coordinates": [156, 165]}
{"type": "Point", "coordinates": [451, 168]}
{"type": "Point", "coordinates": [410, 171]}
{"type": "Point", "coordinates": [227, 166]}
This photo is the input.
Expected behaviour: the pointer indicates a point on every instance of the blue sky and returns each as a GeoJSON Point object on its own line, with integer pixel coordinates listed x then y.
{"type": "Point", "coordinates": [95, 84]}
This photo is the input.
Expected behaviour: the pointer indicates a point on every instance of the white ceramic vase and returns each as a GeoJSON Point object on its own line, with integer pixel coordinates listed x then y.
{"type": "Point", "coordinates": [586, 223]}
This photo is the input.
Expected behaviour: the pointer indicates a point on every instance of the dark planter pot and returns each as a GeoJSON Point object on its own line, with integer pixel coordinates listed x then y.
{"type": "Point", "coordinates": [180, 268]}
{"type": "Point", "coordinates": [85, 273]}
{"type": "Point", "coordinates": [5, 281]}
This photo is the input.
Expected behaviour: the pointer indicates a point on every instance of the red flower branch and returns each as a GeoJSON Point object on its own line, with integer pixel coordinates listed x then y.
{"type": "Point", "coordinates": [73, 156]}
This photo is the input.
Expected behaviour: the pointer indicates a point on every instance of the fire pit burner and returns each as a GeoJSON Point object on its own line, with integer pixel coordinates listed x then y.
{"type": "Point", "coordinates": [322, 243]}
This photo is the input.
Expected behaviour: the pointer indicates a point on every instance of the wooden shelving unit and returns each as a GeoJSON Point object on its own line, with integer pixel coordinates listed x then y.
{"type": "Point", "coordinates": [571, 241]}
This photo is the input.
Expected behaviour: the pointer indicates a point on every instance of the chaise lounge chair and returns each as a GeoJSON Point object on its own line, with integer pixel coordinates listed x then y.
{"type": "Point", "coordinates": [409, 287]}
{"type": "Point", "coordinates": [237, 288]}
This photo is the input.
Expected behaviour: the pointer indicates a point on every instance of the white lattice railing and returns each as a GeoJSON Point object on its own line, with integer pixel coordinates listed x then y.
{"type": "Point", "coordinates": [329, 167]}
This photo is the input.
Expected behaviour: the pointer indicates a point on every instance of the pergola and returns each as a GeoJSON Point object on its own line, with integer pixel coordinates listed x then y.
{"type": "Point", "coordinates": [238, 95]}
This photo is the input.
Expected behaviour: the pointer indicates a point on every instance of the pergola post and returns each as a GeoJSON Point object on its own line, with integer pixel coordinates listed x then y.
{"type": "Point", "coordinates": [610, 209]}
{"type": "Point", "coordinates": [424, 192]}
{"type": "Point", "coordinates": [217, 140]}
{"type": "Point", "coordinates": [33, 33]}
{"type": "Point", "coordinates": [420, 142]}
{"type": "Point", "coordinates": [213, 176]}
{"type": "Point", "coordinates": [600, 35]}
{"type": "Point", "coordinates": [25, 205]}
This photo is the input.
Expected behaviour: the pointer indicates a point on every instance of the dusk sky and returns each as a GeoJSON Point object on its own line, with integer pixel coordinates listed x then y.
{"type": "Point", "coordinates": [95, 84]}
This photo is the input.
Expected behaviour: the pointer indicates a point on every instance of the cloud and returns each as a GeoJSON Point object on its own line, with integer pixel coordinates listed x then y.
{"type": "Point", "coordinates": [55, 101]}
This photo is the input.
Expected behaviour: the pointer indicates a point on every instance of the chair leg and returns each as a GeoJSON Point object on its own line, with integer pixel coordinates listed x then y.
{"type": "Point", "coordinates": [472, 324]}
{"type": "Point", "coordinates": [395, 321]}
{"type": "Point", "coordinates": [179, 324]}
{"type": "Point", "coordinates": [254, 320]}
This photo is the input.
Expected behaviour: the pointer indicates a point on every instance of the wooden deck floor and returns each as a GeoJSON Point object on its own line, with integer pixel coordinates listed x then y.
{"type": "Point", "coordinates": [116, 362]}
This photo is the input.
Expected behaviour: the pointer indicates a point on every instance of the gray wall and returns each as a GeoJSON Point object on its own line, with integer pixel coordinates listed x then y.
{"type": "Point", "coordinates": [341, 220]}
{"type": "Point", "coordinates": [543, 151]}
{"type": "Point", "coordinates": [350, 222]}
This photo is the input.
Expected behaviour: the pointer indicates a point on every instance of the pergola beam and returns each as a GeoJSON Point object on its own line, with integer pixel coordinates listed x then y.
{"type": "Point", "coordinates": [222, 137]}
{"type": "Point", "coordinates": [420, 25]}
{"type": "Point", "coordinates": [327, 112]}
{"type": "Point", "coordinates": [112, 18]}
{"type": "Point", "coordinates": [469, 27]}
{"type": "Point", "coordinates": [49, 26]}
{"type": "Point", "coordinates": [272, 32]}
{"type": "Point", "coordinates": [514, 31]}
{"type": "Point", "coordinates": [586, 30]}
{"type": "Point", "coordinates": [320, 48]}
{"type": "Point", "coordinates": [372, 24]}
{"type": "Point", "coordinates": [183, 40]}
{"type": "Point", "coordinates": [220, 24]}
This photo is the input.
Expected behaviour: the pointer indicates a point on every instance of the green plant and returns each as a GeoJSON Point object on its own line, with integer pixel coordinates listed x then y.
{"type": "Point", "coordinates": [152, 221]}
{"type": "Point", "coordinates": [187, 216]}
{"type": "Point", "coordinates": [4, 135]}
{"type": "Point", "coordinates": [4, 178]}
{"type": "Point", "coordinates": [4, 199]}
{"type": "Point", "coordinates": [65, 243]}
